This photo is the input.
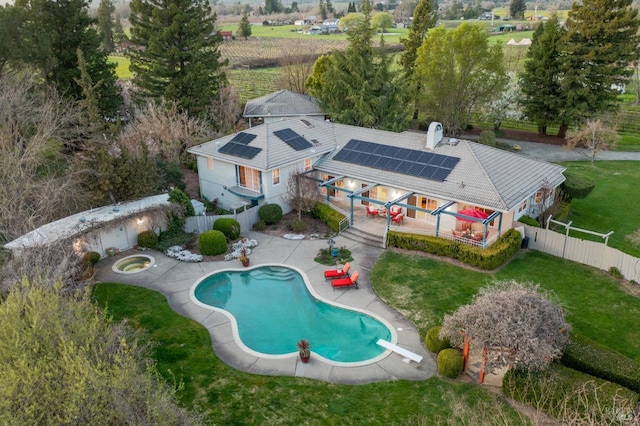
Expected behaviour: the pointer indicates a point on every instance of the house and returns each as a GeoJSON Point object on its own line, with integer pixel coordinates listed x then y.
{"type": "Point", "coordinates": [226, 35]}
{"type": "Point", "coordinates": [427, 177]}
{"type": "Point", "coordinates": [283, 103]}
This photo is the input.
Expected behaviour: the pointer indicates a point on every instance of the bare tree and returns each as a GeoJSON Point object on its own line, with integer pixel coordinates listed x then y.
{"type": "Point", "coordinates": [302, 193]}
{"type": "Point", "coordinates": [516, 325]}
{"type": "Point", "coordinates": [37, 183]}
{"type": "Point", "coordinates": [595, 135]}
{"type": "Point", "coordinates": [296, 67]}
{"type": "Point", "coordinates": [227, 111]}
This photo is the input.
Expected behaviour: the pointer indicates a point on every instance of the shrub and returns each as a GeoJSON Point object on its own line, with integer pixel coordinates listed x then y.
{"type": "Point", "coordinates": [91, 257]}
{"type": "Point", "coordinates": [212, 243]}
{"type": "Point", "coordinates": [175, 238]}
{"type": "Point", "coordinates": [326, 258]}
{"type": "Point", "coordinates": [270, 213]}
{"type": "Point", "coordinates": [328, 216]}
{"type": "Point", "coordinates": [565, 394]}
{"type": "Point", "coordinates": [228, 226]}
{"type": "Point", "coordinates": [615, 272]}
{"type": "Point", "coordinates": [589, 357]}
{"type": "Point", "coordinates": [433, 341]}
{"type": "Point", "coordinates": [487, 137]}
{"type": "Point", "coordinates": [296, 225]}
{"type": "Point", "coordinates": [147, 239]}
{"type": "Point", "coordinates": [490, 258]}
{"type": "Point", "coordinates": [450, 363]}
{"type": "Point", "coordinates": [528, 220]}
{"type": "Point", "coordinates": [576, 185]}
{"type": "Point", "coordinates": [171, 174]}
{"type": "Point", "coordinates": [180, 197]}
{"type": "Point", "coordinates": [259, 226]}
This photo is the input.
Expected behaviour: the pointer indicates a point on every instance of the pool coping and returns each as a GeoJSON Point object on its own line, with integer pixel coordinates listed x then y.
{"type": "Point", "coordinates": [174, 279]}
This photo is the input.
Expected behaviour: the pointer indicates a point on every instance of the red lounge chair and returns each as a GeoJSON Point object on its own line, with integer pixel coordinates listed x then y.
{"type": "Point", "coordinates": [346, 282]}
{"type": "Point", "coordinates": [372, 211]}
{"type": "Point", "coordinates": [337, 273]}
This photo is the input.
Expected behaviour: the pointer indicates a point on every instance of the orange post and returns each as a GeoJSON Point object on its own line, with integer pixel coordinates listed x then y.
{"type": "Point", "coordinates": [483, 365]}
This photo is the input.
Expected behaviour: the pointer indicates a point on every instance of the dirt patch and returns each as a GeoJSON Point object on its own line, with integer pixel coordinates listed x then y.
{"type": "Point", "coordinates": [313, 226]}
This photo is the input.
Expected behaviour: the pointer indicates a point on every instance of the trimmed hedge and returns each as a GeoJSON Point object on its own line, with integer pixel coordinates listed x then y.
{"type": "Point", "coordinates": [561, 387]}
{"type": "Point", "coordinates": [212, 243]}
{"type": "Point", "coordinates": [590, 357]}
{"type": "Point", "coordinates": [328, 216]}
{"type": "Point", "coordinates": [528, 220]}
{"type": "Point", "coordinates": [433, 341]}
{"type": "Point", "coordinates": [490, 258]}
{"type": "Point", "coordinates": [228, 226]}
{"type": "Point", "coordinates": [576, 185]}
{"type": "Point", "coordinates": [450, 363]}
{"type": "Point", "coordinates": [147, 239]}
{"type": "Point", "coordinates": [270, 213]}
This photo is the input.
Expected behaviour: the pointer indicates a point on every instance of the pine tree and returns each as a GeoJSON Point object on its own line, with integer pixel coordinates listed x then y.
{"type": "Point", "coordinates": [540, 81]}
{"type": "Point", "coordinates": [424, 17]}
{"type": "Point", "coordinates": [181, 58]}
{"type": "Point", "coordinates": [517, 9]}
{"type": "Point", "coordinates": [597, 50]}
{"type": "Point", "coordinates": [244, 29]}
{"type": "Point", "coordinates": [106, 9]}
{"type": "Point", "coordinates": [52, 32]}
{"type": "Point", "coordinates": [358, 86]}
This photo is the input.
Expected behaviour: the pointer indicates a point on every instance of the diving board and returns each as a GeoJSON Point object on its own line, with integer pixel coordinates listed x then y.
{"type": "Point", "coordinates": [397, 349]}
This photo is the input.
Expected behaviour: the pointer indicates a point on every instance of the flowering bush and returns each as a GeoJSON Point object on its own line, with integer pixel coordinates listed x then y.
{"type": "Point", "coordinates": [177, 252]}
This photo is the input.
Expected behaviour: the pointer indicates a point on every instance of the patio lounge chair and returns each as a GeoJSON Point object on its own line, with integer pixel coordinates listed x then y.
{"type": "Point", "coordinates": [399, 218]}
{"type": "Point", "coordinates": [372, 211]}
{"type": "Point", "coordinates": [337, 273]}
{"type": "Point", "coordinates": [346, 282]}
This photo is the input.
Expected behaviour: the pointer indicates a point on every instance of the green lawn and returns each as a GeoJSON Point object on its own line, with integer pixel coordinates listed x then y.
{"type": "Point", "coordinates": [184, 353]}
{"type": "Point", "coordinates": [612, 206]}
{"type": "Point", "coordinates": [424, 290]}
{"type": "Point", "coordinates": [122, 66]}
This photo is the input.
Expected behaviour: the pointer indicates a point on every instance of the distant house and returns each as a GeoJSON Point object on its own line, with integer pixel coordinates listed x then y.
{"type": "Point", "coordinates": [226, 35]}
{"type": "Point", "coordinates": [428, 177]}
{"type": "Point", "coordinates": [281, 104]}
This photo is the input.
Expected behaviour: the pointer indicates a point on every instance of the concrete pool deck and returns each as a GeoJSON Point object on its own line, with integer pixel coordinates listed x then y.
{"type": "Point", "coordinates": [174, 279]}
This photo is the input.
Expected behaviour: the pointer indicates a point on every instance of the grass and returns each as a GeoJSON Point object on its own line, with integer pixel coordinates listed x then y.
{"type": "Point", "coordinates": [122, 66]}
{"type": "Point", "coordinates": [612, 206]}
{"type": "Point", "coordinates": [183, 352]}
{"type": "Point", "coordinates": [424, 290]}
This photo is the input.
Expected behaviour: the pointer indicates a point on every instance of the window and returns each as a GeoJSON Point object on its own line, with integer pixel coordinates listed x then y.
{"type": "Point", "coordinates": [428, 203]}
{"type": "Point", "coordinates": [523, 206]}
{"type": "Point", "coordinates": [276, 176]}
{"type": "Point", "coordinates": [209, 163]}
{"type": "Point", "coordinates": [538, 197]}
{"type": "Point", "coordinates": [307, 164]}
{"type": "Point", "coordinates": [249, 178]}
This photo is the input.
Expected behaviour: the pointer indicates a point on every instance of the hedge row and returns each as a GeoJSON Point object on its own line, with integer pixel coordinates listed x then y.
{"type": "Point", "coordinates": [585, 355]}
{"type": "Point", "coordinates": [490, 258]}
{"type": "Point", "coordinates": [328, 216]}
{"type": "Point", "coordinates": [562, 392]}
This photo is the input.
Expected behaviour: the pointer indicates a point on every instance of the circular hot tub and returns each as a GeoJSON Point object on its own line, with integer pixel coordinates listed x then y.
{"type": "Point", "coordinates": [133, 264]}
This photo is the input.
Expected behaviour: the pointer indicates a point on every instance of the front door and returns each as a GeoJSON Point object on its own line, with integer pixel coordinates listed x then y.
{"type": "Point", "coordinates": [412, 202]}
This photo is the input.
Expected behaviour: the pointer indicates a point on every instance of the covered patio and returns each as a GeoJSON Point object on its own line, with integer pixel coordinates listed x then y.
{"type": "Point", "coordinates": [406, 211]}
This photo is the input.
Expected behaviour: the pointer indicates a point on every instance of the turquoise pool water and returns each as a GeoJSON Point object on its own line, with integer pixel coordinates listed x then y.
{"type": "Point", "coordinates": [273, 310]}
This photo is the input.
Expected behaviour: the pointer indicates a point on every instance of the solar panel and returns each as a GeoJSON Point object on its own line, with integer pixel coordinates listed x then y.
{"type": "Point", "coordinates": [243, 138]}
{"type": "Point", "coordinates": [293, 139]}
{"type": "Point", "coordinates": [426, 165]}
{"type": "Point", "coordinates": [239, 150]}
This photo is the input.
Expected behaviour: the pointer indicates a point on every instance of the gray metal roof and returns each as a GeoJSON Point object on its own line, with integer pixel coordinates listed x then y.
{"type": "Point", "coordinates": [282, 103]}
{"type": "Point", "coordinates": [276, 153]}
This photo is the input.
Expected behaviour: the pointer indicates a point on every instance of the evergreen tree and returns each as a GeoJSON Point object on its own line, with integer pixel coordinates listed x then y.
{"type": "Point", "coordinates": [10, 43]}
{"type": "Point", "coordinates": [52, 32]}
{"type": "Point", "coordinates": [244, 29]}
{"type": "Point", "coordinates": [540, 81]}
{"type": "Point", "coordinates": [181, 58]}
{"type": "Point", "coordinates": [424, 17]}
{"type": "Point", "coordinates": [351, 8]}
{"type": "Point", "coordinates": [118, 32]}
{"type": "Point", "coordinates": [106, 9]}
{"type": "Point", "coordinates": [358, 86]}
{"type": "Point", "coordinates": [272, 6]}
{"type": "Point", "coordinates": [517, 9]}
{"type": "Point", "coordinates": [597, 50]}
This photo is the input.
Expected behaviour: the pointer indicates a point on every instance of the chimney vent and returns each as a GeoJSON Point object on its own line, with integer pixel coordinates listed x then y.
{"type": "Point", "coordinates": [434, 135]}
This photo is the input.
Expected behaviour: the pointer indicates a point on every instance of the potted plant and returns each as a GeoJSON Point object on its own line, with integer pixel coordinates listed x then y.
{"type": "Point", "coordinates": [304, 350]}
{"type": "Point", "coordinates": [244, 257]}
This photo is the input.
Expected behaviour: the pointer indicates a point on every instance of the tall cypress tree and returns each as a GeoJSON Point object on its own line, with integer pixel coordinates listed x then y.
{"type": "Point", "coordinates": [52, 32]}
{"type": "Point", "coordinates": [358, 86]}
{"type": "Point", "coordinates": [597, 49]}
{"type": "Point", "coordinates": [540, 81]}
{"type": "Point", "coordinates": [180, 60]}
{"type": "Point", "coordinates": [106, 24]}
{"type": "Point", "coordinates": [424, 17]}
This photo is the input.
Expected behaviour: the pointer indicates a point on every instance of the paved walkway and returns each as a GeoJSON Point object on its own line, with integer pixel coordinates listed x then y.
{"type": "Point", "coordinates": [554, 153]}
{"type": "Point", "coordinates": [174, 279]}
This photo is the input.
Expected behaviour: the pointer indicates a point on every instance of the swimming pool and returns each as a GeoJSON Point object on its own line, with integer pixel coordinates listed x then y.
{"type": "Point", "coordinates": [272, 308]}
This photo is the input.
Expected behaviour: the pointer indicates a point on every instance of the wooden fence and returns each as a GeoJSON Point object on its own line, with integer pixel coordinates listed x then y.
{"type": "Point", "coordinates": [582, 251]}
{"type": "Point", "coordinates": [199, 224]}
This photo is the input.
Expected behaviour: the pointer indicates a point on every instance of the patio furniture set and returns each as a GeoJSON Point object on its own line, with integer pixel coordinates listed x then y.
{"type": "Point", "coordinates": [340, 277]}
{"type": "Point", "coordinates": [395, 212]}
